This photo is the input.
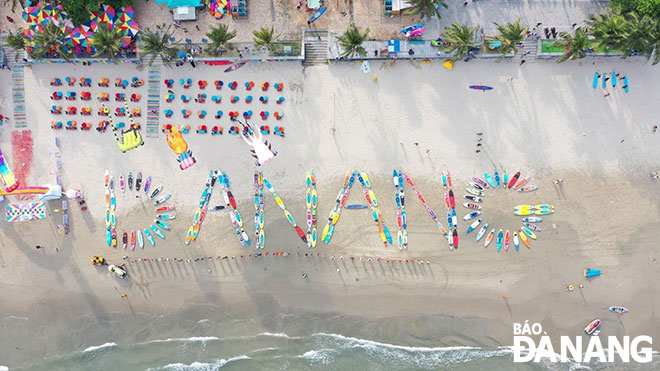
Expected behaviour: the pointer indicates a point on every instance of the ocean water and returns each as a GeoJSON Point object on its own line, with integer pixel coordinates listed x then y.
{"type": "Point", "coordinates": [278, 351]}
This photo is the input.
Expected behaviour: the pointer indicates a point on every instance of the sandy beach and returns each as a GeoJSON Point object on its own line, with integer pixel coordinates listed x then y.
{"type": "Point", "coordinates": [546, 122]}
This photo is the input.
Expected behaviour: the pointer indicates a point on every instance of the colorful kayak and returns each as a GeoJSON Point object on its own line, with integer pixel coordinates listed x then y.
{"type": "Point", "coordinates": [592, 328]}
{"type": "Point", "coordinates": [472, 198]}
{"type": "Point", "coordinates": [162, 224]}
{"type": "Point", "coordinates": [474, 192]}
{"type": "Point", "coordinates": [522, 182]}
{"type": "Point", "coordinates": [529, 232]}
{"type": "Point", "coordinates": [533, 227]}
{"type": "Point", "coordinates": [164, 209]}
{"type": "Point", "coordinates": [413, 30]}
{"type": "Point", "coordinates": [532, 219]}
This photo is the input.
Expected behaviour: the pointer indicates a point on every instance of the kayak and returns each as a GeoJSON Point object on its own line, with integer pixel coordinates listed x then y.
{"type": "Point", "coordinates": [618, 310]}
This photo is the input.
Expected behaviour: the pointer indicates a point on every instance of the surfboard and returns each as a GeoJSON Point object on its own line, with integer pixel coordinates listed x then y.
{"type": "Point", "coordinates": [147, 184]}
{"type": "Point", "coordinates": [162, 199]}
{"type": "Point", "coordinates": [472, 198]}
{"type": "Point", "coordinates": [500, 237]}
{"type": "Point", "coordinates": [497, 179]}
{"type": "Point", "coordinates": [513, 180]}
{"type": "Point", "coordinates": [162, 224]}
{"type": "Point", "coordinates": [625, 84]}
{"type": "Point", "coordinates": [529, 232]}
{"type": "Point", "coordinates": [543, 212]}
{"type": "Point", "coordinates": [473, 226]}
{"type": "Point", "coordinates": [528, 188]}
{"type": "Point", "coordinates": [604, 84]}
{"type": "Point", "coordinates": [155, 192]}
{"type": "Point", "coordinates": [138, 181]}
{"type": "Point", "coordinates": [472, 206]}
{"type": "Point", "coordinates": [166, 208]}
{"type": "Point", "coordinates": [596, 77]}
{"type": "Point", "coordinates": [472, 215]}
{"type": "Point", "coordinates": [476, 186]}
{"type": "Point", "coordinates": [481, 87]}
{"type": "Point", "coordinates": [489, 238]}
{"type": "Point", "coordinates": [480, 182]}
{"type": "Point", "coordinates": [489, 180]}
{"type": "Point", "coordinates": [523, 238]}
{"type": "Point", "coordinates": [523, 212]}
{"type": "Point", "coordinates": [533, 227]}
{"type": "Point", "coordinates": [516, 243]}
{"type": "Point", "coordinates": [157, 231]}
{"type": "Point", "coordinates": [455, 238]}
{"type": "Point", "coordinates": [150, 238]}
{"type": "Point", "coordinates": [452, 200]}
{"type": "Point", "coordinates": [140, 239]}
{"type": "Point", "coordinates": [506, 240]}
{"type": "Point", "coordinates": [474, 192]}
{"type": "Point", "coordinates": [317, 15]}
{"type": "Point", "coordinates": [614, 79]}
{"type": "Point", "coordinates": [532, 219]}
{"type": "Point", "coordinates": [482, 231]}
{"type": "Point", "coordinates": [133, 241]}
{"type": "Point", "coordinates": [121, 182]}
{"type": "Point", "coordinates": [130, 181]}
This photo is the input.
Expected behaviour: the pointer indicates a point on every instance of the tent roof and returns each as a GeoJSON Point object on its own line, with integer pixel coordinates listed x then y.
{"type": "Point", "coordinates": [179, 3]}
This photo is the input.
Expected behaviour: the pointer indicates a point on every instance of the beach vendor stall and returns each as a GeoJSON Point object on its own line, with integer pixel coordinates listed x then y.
{"type": "Point", "coordinates": [182, 10]}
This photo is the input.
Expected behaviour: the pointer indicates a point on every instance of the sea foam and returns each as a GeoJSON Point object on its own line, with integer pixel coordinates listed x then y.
{"type": "Point", "coordinates": [200, 366]}
{"type": "Point", "coordinates": [97, 347]}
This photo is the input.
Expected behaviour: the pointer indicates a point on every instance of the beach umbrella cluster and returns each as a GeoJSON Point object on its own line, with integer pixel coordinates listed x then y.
{"type": "Point", "coordinates": [78, 38]}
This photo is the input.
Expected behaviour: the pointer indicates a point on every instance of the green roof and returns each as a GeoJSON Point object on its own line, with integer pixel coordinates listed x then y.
{"type": "Point", "coordinates": [179, 3]}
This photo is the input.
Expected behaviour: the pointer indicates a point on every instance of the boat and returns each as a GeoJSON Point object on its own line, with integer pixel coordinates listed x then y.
{"type": "Point", "coordinates": [317, 15]}
{"type": "Point", "coordinates": [589, 273]}
{"type": "Point", "coordinates": [481, 87]}
{"type": "Point", "coordinates": [592, 328]}
{"type": "Point", "coordinates": [117, 270]}
{"type": "Point", "coordinates": [413, 30]}
{"type": "Point", "coordinates": [618, 309]}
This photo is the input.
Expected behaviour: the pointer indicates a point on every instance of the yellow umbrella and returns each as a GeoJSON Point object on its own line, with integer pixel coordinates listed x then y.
{"type": "Point", "coordinates": [448, 64]}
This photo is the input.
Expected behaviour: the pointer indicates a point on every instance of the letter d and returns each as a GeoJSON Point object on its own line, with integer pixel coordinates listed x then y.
{"type": "Point", "coordinates": [518, 349]}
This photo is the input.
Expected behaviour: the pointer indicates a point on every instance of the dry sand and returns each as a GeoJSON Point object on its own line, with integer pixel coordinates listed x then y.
{"type": "Point", "coordinates": [548, 122]}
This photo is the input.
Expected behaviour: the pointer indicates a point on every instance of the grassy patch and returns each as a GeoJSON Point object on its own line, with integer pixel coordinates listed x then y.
{"type": "Point", "coordinates": [556, 46]}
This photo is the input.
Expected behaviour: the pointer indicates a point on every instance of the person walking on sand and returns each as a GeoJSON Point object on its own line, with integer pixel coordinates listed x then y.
{"type": "Point", "coordinates": [655, 128]}
{"type": "Point", "coordinates": [505, 297]}
{"type": "Point", "coordinates": [522, 62]}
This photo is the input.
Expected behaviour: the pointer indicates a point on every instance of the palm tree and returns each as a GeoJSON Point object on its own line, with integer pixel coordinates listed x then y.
{"type": "Point", "coordinates": [48, 40]}
{"type": "Point", "coordinates": [575, 46]}
{"type": "Point", "coordinates": [351, 41]}
{"type": "Point", "coordinates": [609, 30]}
{"type": "Point", "coordinates": [220, 37]}
{"type": "Point", "coordinates": [639, 36]}
{"type": "Point", "coordinates": [510, 35]}
{"type": "Point", "coordinates": [107, 42]}
{"type": "Point", "coordinates": [15, 42]}
{"type": "Point", "coordinates": [655, 42]}
{"type": "Point", "coordinates": [426, 8]}
{"type": "Point", "coordinates": [461, 39]}
{"type": "Point", "coordinates": [157, 43]}
{"type": "Point", "coordinates": [264, 37]}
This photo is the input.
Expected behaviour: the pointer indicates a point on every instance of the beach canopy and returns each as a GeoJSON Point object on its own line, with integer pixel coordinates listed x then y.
{"type": "Point", "coordinates": [448, 64]}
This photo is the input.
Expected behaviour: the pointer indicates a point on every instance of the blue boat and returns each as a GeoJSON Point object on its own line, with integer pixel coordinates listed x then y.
{"type": "Point", "coordinates": [356, 206]}
{"type": "Point", "coordinates": [589, 273]}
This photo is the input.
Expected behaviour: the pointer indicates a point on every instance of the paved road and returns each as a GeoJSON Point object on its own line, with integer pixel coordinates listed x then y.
{"type": "Point", "coordinates": [558, 13]}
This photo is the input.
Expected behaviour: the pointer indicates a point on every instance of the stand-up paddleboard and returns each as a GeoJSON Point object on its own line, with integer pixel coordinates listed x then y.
{"type": "Point", "coordinates": [147, 184]}
{"type": "Point", "coordinates": [157, 231]}
{"type": "Point", "coordinates": [522, 182]}
{"type": "Point", "coordinates": [489, 180]}
{"type": "Point", "coordinates": [476, 186]}
{"type": "Point", "coordinates": [614, 79]}
{"type": "Point", "coordinates": [452, 200]}
{"type": "Point", "coordinates": [532, 219]}
{"type": "Point", "coordinates": [130, 181]}
{"type": "Point", "coordinates": [150, 238]}
{"type": "Point", "coordinates": [528, 188]}
{"type": "Point", "coordinates": [529, 232]}
{"type": "Point", "coordinates": [472, 198]}
{"type": "Point", "coordinates": [516, 243]}
{"type": "Point", "coordinates": [523, 238]}
{"type": "Point", "coordinates": [121, 182]}
{"type": "Point", "coordinates": [155, 192]}
{"type": "Point", "coordinates": [138, 181]}
{"type": "Point", "coordinates": [470, 205]}
{"type": "Point", "coordinates": [475, 192]}
{"type": "Point", "coordinates": [481, 182]}
{"type": "Point", "coordinates": [162, 224]}
{"type": "Point", "coordinates": [533, 227]}
{"type": "Point", "coordinates": [482, 232]}
{"type": "Point", "coordinates": [505, 180]}
{"type": "Point", "coordinates": [507, 237]}
{"type": "Point", "coordinates": [236, 66]}
{"type": "Point", "coordinates": [523, 212]}
{"type": "Point", "coordinates": [471, 215]}
{"type": "Point", "coordinates": [596, 77]}
{"type": "Point", "coordinates": [481, 87]}
{"type": "Point", "coordinates": [592, 328]}
{"type": "Point", "coordinates": [317, 15]}
{"type": "Point", "coordinates": [133, 241]}
{"type": "Point", "coordinates": [489, 238]}
{"type": "Point", "coordinates": [625, 84]}
{"type": "Point", "coordinates": [618, 310]}
{"type": "Point", "coordinates": [500, 238]}
{"type": "Point", "coordinates": [162, 199]}
{"type": "Point", "coordinates": [455, 238]}
{"type": "Point", "coordinates": [604, 81]}
{"type": "Point", "coordinates": [497, 178]}
{"type": "Point", "coordinates": [513, 180]}
{"type": "Point", "coordinates": [164, 209]}
{"type": "Point", "coordinates": [473, 226]}
{"type": "Point", "coordinates": [140, 239]}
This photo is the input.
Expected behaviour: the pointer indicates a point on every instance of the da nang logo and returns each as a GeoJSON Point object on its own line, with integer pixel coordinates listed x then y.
{"type": "Point", "coordinates": [578, 349]}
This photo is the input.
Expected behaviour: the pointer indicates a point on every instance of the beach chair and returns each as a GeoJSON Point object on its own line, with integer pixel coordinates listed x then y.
{"type": "Point", "coordinates": [218, 84]}
{"type": "Point", "coordinates": [201, 114]}
{"type": "Point", "coordinates": [136, 112]}
{"type": "Point", "coordinates": [167, 128]}
{"type": "Point", "coordinates": [216, 130]}
{"type": "Point", "coordinates": [186, 113]}
{"type": "Point", "coordinates": [71, 110]}
{"type": "Point", "coordinates": [263, 99]}
{"type": "Point", "coordinates": [70, 81]}
{"type": "Point", "coordinates": [216, 98]}
{"type": "Point", "coordinates": [264, 85]}
{"type": "Point", "coordinates": [71, 125]}
{"type": "Point", "coordinates": [56, 110]}
{"type": "Point", "coordinates": [70, 95]}
{"type": "Point", "coordinates": [85, 126]}
{"type": "Point", "coordinates": [278, 115]}
{"type": "Point", "coordinates": [247, 114]}
{"type": "Point", "coordinates": [201, 129]}
{"type": "Point", "coordinates": [280, 100]}
{"type": "Point", "coordinates": [56, 125]}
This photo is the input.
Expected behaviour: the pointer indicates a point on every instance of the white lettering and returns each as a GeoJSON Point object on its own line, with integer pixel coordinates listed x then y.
{"type": "Point", "coordinates": [614, 346]}
{"type": "Point", "coordinates": [575, 349]}
{"type": "Point", "coordinates": [517, 329]}
{"type": "Point", "coordinates": [646, 352]}
{"type": "Point", "coordinates": [595, 349]}
{"type": "Point", "coordinates": [534, 329]}
{"type": "Point", "coordinates": [526, 328]}
{"type": "Point", "coordinates": [545, 350]}
{"type": "Point", "coordinates": [518, 349]}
